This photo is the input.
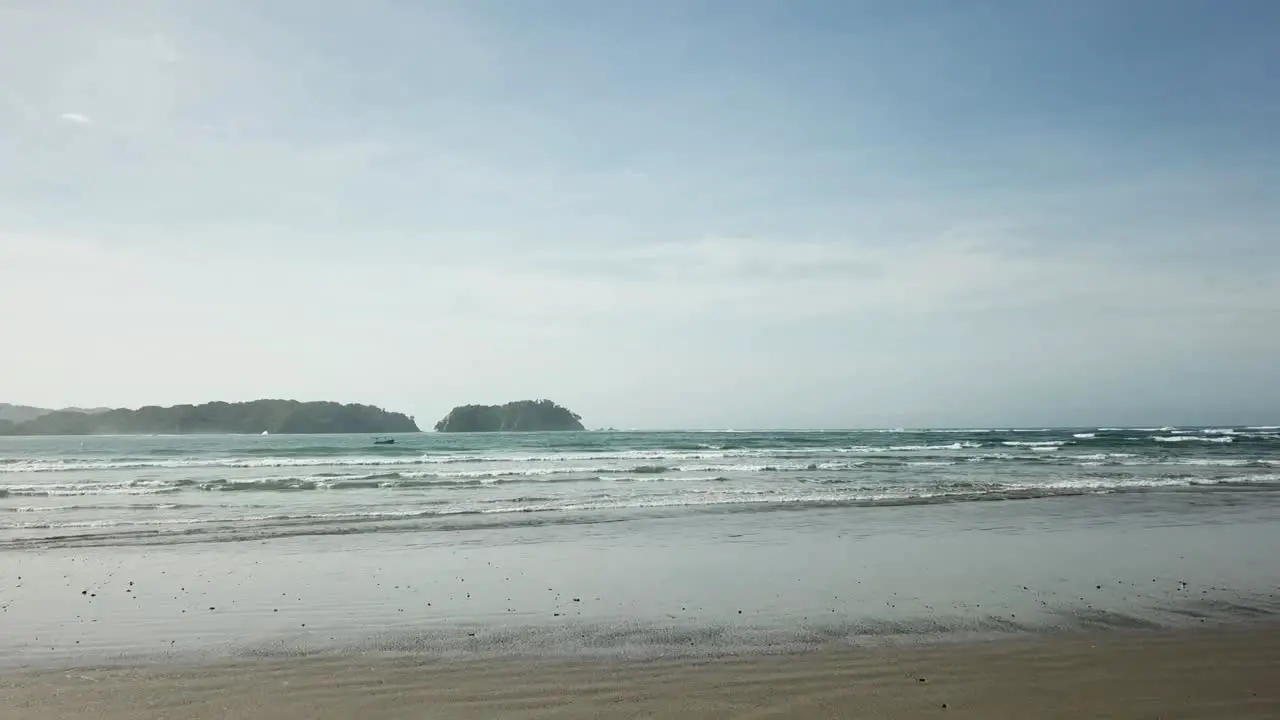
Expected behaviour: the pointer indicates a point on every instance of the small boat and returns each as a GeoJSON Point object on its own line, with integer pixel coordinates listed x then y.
{"type": "Point", "coordinates": [384, 441]}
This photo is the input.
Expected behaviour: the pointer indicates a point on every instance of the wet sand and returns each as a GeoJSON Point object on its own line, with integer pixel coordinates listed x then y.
{"type": "Point", "coordinates": [1118, 606]}
{"type": "Point", "coordinates": [645, 589]}
{"type": "Point", "coordinates": [1219, 673]}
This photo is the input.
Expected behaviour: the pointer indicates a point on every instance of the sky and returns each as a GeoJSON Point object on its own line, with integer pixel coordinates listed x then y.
{"type": "Point", "coordinates": [721, 214]}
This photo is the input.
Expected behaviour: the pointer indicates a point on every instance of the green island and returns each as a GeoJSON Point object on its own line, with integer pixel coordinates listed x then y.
{"type": "Point", "coordinates": [519, 416]}
{"type": "Point", "coordinates": [256, 417]}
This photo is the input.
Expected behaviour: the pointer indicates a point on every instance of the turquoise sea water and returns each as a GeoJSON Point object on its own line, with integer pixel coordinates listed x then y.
{"type": "Point", "coordinates": [91, 491]}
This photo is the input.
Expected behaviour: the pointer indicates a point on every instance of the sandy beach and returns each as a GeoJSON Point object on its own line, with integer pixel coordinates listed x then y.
{"type": "Point", "coordinates": [1218, 673]}
{"type": "Point", "coordinates": [1133, 595]}
{"type": "Point", "coordinates": [631, 360]}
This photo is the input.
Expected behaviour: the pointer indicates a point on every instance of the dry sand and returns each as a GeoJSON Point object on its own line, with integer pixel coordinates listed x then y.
{"type": "Point", "coordinates": [1226, 672]}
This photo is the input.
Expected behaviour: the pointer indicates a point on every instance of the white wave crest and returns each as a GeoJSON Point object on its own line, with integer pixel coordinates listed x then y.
{"type": "Point", "coordinates": [1210, 462]}
{"type": "Point", "coordinates": [1104, 456]}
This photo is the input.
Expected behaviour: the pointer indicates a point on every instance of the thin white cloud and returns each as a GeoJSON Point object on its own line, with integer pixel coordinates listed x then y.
{"type": "Point", "coordinates": [76, 118]}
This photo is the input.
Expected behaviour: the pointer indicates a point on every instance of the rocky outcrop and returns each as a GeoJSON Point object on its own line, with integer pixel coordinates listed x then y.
{"type": "Point", "coordinates": [520, 416]}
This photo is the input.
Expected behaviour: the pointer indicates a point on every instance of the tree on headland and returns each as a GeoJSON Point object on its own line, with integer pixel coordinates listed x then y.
{"type": "Point", "coordinates": [258, 416]}
{"type": "Point", "coordinates": [519, 416]}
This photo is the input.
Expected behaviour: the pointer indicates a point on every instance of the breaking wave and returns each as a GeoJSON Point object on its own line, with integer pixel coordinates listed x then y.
{"type": "Point", "coordinates": [128, 490]}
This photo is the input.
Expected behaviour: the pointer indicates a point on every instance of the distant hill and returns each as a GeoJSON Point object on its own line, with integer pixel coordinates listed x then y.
{"type": "Point", "coordinates": [23, 413]}
{"type": "Point", "coordinates": [520, 416]}
{"type": "Point", "coordinates": [256, 417]}
{"type": "Point", "coordinates": [20, 413]}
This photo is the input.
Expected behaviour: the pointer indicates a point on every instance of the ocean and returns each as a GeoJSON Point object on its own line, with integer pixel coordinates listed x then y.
{"type": "Point", "coordinates": [113, 546]}
{"type": "Point", "coordinates": [91, 491]}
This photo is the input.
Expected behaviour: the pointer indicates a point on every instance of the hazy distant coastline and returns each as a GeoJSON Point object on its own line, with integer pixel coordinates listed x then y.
{"type": "Point", "coordinates": [255, 417]}
{"type": "Point", "coordinates": [25, 413]}
{"type": "Point", "coordinates": [279, 417]}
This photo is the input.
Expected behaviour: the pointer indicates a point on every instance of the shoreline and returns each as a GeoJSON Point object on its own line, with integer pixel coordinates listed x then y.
{"type": "Point", "coordinates": [649, 588]}
{"type": "Point", "coordinates": [1216, 672]}
{"type": "Point", "coordinates": [642, 577]}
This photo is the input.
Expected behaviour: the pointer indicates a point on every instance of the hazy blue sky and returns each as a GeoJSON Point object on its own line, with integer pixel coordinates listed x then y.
{"type": "Point", "coordinates": [712, 214]}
